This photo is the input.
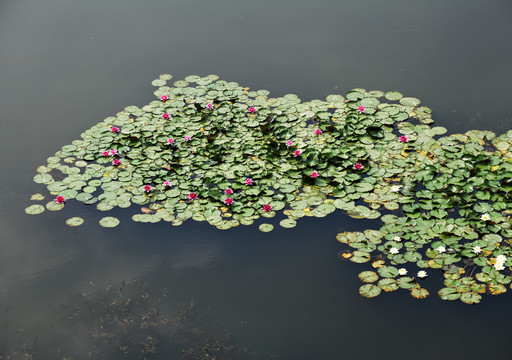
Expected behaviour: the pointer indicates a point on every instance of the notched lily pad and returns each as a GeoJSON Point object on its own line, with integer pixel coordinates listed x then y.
{"type": "Point", "coordinates": [109, 222]}
{"type": "Point", "coordinates": [34, 209]}
{"type": "Point", "coordinates": [75, 221]}
{"type": "Point", "coordinates": [266, 227]}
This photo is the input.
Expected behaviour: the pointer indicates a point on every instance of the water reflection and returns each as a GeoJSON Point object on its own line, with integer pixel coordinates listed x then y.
{"type": "Point", "coordinates": [123, 321]}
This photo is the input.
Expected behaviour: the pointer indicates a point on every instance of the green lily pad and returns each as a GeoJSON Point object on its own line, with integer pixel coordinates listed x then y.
{"type": "Point", "coordinates": [369, 290]}
{"type": "Point", "coordinates": [34, 209]}
{"type": "Point", "coordinates": [109, 222]}
{"type": "Point", "coordinates": [266, 227]}
{"type": "Point", "coordinates": [368, 276]}
{"type": "Point", "coordinates": [53, 206]}
{"type": "Point", "coordinates": [75, 221]}
{"type": "Point", "coordinates": [288, 223]}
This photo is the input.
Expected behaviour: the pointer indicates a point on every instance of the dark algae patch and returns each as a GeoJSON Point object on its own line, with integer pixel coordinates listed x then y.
{"type": "Point", "coordinates": [211, 150]}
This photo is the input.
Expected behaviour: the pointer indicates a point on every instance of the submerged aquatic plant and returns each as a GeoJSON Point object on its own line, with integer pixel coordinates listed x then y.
{"type": "Point", "coordinates": [433, 192]}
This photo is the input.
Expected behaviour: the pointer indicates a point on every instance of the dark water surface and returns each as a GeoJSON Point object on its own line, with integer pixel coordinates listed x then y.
{"type": "Point", "coordinates": [65, 65]}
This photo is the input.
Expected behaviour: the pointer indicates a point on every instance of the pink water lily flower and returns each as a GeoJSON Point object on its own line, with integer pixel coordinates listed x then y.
{"type": "Point", "coordinates": [192, 196]}
{"type": "Point", "coordinates": [361, 109]}
{"type": "Point", "coordinates": [318, 132]}
{"type": "Point", "coordinates": [252, 109]}
{"type": "Point", "coordinates": [114, 129]}
{"type": "Point", "coordinates": [113, 151]}
{"type": "Point", "coordinates": [403, 139]}
{"type": "Point", "coordinates": [116, 162]}
{"type": "Point", "coordinates": [147, 188]}
{"type": "Point", "coordinates": [297, 153]}
{"type": "Point", "coordinates": [228, 191]}
{"type": "Point", "coordinates": [186, 138]}
{"type": "Point", "coordinates": [289, 143]}
{"type": "Point", "coordinates": [164, 97]}
{"type": "Point", "coordinates": [228, 201]}
{"type": "Point", "coordinates": [60, 200]}
{"type": "Point", "coordinates": [170, 141]}
{"type": "Point", "coordinates": [105, 153]}
{"type": "Point", "coordinates": [209, 106]}
{"type": "Point", "coordinates": [358, 166]}
{"type": "Point", "coordinates": [167, 183]}
{"type": "Point", "coordinates": [314, 174]}
{"type": "Point", "coordinates": [166, 116]}
{"type": "Point", "coordinates": [248, 181]}
{"type": "Point", "coordinates": [266, 208]}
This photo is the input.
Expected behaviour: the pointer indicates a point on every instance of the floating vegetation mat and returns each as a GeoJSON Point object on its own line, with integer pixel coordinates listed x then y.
{"type": "Point", "coordinates": [214, 151]}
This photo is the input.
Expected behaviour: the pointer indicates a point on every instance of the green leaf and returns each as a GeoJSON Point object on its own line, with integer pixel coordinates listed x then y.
{"type": "Point", "coordinates": [34, 209]}
{"type": "Point", "coordinates": [109, 222]}
{"type": "Point", "coordinates": [75, 221]}
{"type": "Point", "coordinates": [388, 271]}
{"type": "Point", "coordinates": [368, 276]}
{"type": "Point", "coordinates": [369, 290]}
{"type": "Point", "coordinates": [266, 227]}
{"type": "Point", "coordinates": [288, 223]}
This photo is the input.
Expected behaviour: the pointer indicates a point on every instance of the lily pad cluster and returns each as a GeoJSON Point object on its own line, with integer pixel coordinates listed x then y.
{"type": "Point", "coordinates": [214, 151]}
{"type": "Point", "coordinates": [455, 216]}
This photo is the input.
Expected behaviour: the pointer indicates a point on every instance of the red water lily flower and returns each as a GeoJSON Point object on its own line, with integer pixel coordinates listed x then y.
{"type": "Point", "coordinates": [114, 129]}
{"type": "Point", "coordinates": [147, 188]}
{"type": "Point", "coordinates": [403, 139]}
{"type": "Point", "coordinates": [60, 199]}
{"type": "Point", "coordinates": [228, 191]}
{"type": "Point", "coordinates": [314, 174]}
{"type": "Point", "coordinates": [164, 97]}
{"type": "Point", "coordinates": [318, 132]}
{"type": "Point", "coordinates": [358, 166]}
{"type": "Point", "coordinates": [361, 109]}
{"type": "Point", "coordinates": [192, 196]}
{"type": "Point", "coordinates": [252, 109]}
{"type": "Point", "coordinates": [248, 181]}
{"type": "Point", "coordinates": [228, 201]}
{"type": "Point", "coordinates": [266, 208]}
{"type": "Point", "coordinates": [166, 116]}
{"type": "Point", "coordinates": [116, 162]}
{"type": "Point", "coordinates": [297, 153]}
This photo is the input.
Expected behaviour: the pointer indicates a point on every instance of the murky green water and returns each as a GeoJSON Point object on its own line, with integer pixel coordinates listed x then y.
{"type": "Point", "coordinates": [66, 65]}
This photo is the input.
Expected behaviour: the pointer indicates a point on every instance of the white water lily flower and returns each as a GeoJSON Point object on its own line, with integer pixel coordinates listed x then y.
{"type": "Point", "coordinates": [485, 217]}
{"type": "Point", "coordinates": [441, 249]}
{"type": "Point", "coordinates": [477, 249]}
{"type": "Point", "coordinates": [393, 250]}
{"type": "Point", "coordinates": [402, 271]}
{"type": "Point", "coordinates": [501, 258]}
{"type": "Point", "coordinates": [499, 266]}
{"type": "Point", "coordinates": [395, 188]}
{"type": "Point", "coordinates": [397, 238]}
{"type": "Point", "coordinates": [422, 274]}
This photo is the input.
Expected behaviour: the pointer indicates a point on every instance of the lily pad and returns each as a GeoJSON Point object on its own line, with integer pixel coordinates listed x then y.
{"type": "Point", "coordinates": [109, 222]}
{"type": "Point", "coordinates": [266, 227]}
{"type": "Point", "coordinates": [368, 276]}
{"type": "Point", "coordinates": [75, 221]}
{"type": "Point", "coordinates": [34, 209]}
{"type": "Point", "coordinates": [369, 290]}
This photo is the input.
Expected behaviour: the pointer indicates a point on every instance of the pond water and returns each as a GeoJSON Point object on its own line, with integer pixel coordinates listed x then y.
{"type": "Point", "coordinates": [65, 65]}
